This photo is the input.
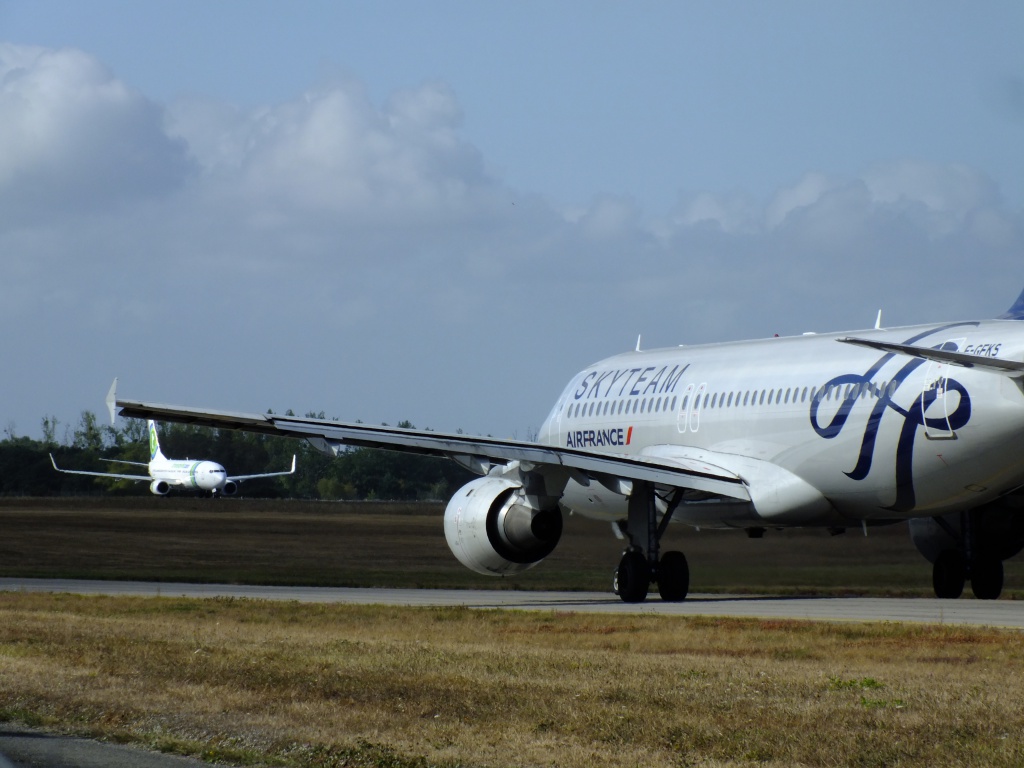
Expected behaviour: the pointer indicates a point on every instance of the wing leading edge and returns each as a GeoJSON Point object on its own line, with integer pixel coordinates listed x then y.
{"type": "Point", "coordinates": [111, 475]}
{"type": "Point", "coordinates": [478, 453]}
{"type": "Point", "coordinates": [240, 478]}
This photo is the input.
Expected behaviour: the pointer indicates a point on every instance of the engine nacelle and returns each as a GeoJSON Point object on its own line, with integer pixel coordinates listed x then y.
{"type": "Point", "coordinates": [492, 528]}
{"type": "Point", "coordinates": [230, 488]}
{"type": "Point", "coordinates": [998, 530]}
{"type": "Point", "coordinates": [159, 487]}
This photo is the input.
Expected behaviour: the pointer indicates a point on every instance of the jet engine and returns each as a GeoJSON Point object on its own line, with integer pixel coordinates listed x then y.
{"type": "Point", "coordinates": [230, 488]}
{"type": "Point", "coordinates": [997, 530]}
{"type": "Point", "coordinates": [494, 528]}
{"type": "Point", "coordinates": [159, 487]}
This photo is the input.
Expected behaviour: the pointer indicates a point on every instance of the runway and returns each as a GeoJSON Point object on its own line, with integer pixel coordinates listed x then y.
{"type": "Point", "coordinates": [965, 611]}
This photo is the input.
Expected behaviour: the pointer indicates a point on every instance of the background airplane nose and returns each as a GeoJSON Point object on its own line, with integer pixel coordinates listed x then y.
{"type": "Point", "coordinates": [211, 477]}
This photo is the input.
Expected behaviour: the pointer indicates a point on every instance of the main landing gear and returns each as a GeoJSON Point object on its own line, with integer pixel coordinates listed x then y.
{"type": "Point", "coordinates": [638, 570]}
{"type": "Point", "coordinates": [952, 570]}
{"type": "Point", "coordinates": [954, 567]}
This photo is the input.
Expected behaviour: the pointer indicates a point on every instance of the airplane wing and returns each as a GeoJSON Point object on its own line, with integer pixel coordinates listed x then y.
{"type": "Point", "coordinates": [476, 453]}
{"type": "Point", "coordinates": [122, 461]}
{"type": "Point", "coordinates": [111, 475]}
{"type": "Point", "coordinates": [240, 478]}
{"type": "Point", "coordinates": [993, 364]}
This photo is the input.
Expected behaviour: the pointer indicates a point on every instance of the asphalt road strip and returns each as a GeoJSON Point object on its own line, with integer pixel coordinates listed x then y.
{"type": "Point", "coordinates": [965, 611]}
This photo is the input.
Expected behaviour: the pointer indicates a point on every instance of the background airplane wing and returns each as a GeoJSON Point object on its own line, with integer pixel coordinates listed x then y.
{"type": "Point", "coordinates": [240, 478]}
{"type": "Point", "coordinates": [111, 475]}
{"type": "Point", "coordinates": [476, 453]}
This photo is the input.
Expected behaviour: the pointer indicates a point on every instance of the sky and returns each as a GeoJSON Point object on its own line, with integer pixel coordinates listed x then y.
{"type": "Point", "coordinates": [441, 211]}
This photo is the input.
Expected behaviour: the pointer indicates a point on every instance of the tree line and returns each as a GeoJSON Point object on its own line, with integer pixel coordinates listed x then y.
{"type": "Point", "coordinates": [358, 473]}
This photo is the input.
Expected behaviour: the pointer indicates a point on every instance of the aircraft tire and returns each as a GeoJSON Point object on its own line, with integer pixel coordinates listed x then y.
{"type": "Point", "coordinates": [673, 577]}
{"type": "Point", "coordinates": [633, 578]}
{"type": "Point", "coordinates": [949, 574]}
{"type": "Point", "coordinates": [987, 578]}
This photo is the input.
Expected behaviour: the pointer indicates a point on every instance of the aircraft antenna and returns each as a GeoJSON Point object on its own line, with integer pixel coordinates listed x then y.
{"type": "Point", "coordinates": [878, 321]}
{"type": "Point", "coordinates": [639, 335]}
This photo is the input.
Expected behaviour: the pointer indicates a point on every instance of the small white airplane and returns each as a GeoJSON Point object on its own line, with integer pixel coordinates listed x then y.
{"type": "Point", "coordinates": [922, 424]}
{"type": "Point", "coordinates": [165, 474]}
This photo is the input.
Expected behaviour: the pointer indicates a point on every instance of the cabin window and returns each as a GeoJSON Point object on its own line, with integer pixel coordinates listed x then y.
{"type": "Point", "coordinates": [760, 401]}
{"type": "Point", "coordinates": [706, 396]}
{"type": "Point", "coordinates": [673, 402]}
{"type": "Point", "coordinates": [685, 398]}
{"type": "Point", "coordinates": [746, 397]}
{"type": "Point", "coordinates": [729, 403]}
{"type": "Point", "coordinates": [789, 391]}
{"type": "Point", "coordinates": [778, 396]}
{"type": "Point", "coordinates": [714, 399]}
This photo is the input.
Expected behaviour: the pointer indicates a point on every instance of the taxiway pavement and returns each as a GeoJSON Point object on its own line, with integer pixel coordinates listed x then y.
{"type": "Point", "coordinates": [965, 611]}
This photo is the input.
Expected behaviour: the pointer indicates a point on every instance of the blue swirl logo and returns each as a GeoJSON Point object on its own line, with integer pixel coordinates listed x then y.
{"type": "Point", "coordinates": [914, 417]}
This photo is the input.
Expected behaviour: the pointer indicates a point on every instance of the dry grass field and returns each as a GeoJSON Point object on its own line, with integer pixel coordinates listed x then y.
{"type": "Point", "coordinates": [388, 544]}
{"type": "Point", "coordinates": [258, 683]}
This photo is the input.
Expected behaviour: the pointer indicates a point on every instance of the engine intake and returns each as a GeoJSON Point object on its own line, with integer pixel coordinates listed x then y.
{"type": "Point", "coordinates": [159, 487]}
{"type": "Point", "coordinates": [493, 528]}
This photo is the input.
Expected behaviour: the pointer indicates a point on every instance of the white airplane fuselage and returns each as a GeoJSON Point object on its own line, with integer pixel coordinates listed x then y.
{"type": "Point", "coordinates": [206, 476]}
{"type": "Point", "coordinates": [842, 433]}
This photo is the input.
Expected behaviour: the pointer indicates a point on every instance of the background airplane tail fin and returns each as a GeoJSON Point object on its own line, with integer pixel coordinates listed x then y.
{"type": "Point", "coordinates": [1016, 312]}
{"type": "Point", "coordinates": [154, 443]}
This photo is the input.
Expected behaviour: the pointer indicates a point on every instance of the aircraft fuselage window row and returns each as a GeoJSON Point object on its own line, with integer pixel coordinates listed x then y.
{"type": "Point", "coordinates": [621, 407]}
{"type": "Point", "coordinates": [780, 396]}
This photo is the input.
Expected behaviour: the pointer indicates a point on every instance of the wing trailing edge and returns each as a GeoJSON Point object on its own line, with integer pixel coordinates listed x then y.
{"type": "Point", "coordinates": [993, 364]}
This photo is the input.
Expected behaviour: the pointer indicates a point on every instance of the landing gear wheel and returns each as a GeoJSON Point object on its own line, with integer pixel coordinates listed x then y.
{"type": "Point", "coordinates": [673, 577]}
{"type": "Point", "coordinates": [987, 578]}
{"type": "Point", "coordinates": [949, 574]}
{"type": "Point", "coordinates": [633, 578]}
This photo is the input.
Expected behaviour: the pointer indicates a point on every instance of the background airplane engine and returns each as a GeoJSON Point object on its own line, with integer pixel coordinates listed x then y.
{"type": "Point", "coordinates": [492, 528]}
{"type": "Point", "coordinates": [159, 487]}
{"type": "Point", "coordinates": [230, 488]}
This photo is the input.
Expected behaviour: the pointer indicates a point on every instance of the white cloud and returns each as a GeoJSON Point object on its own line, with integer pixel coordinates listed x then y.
{"type": "Point", "coordinates": [336, 254]}
{"type": "Point", "coordinates": [334, 152]}
{"type": "Point", "coordinates": [74, 136]}
{"type": "Point", "coordinates": [808, 191]}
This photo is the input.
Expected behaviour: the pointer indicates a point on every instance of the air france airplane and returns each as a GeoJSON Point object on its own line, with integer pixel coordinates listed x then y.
{"type": "Point", "coordinates": [856, 429]}
{"type": "Point", "coordinates": [165, 474]}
